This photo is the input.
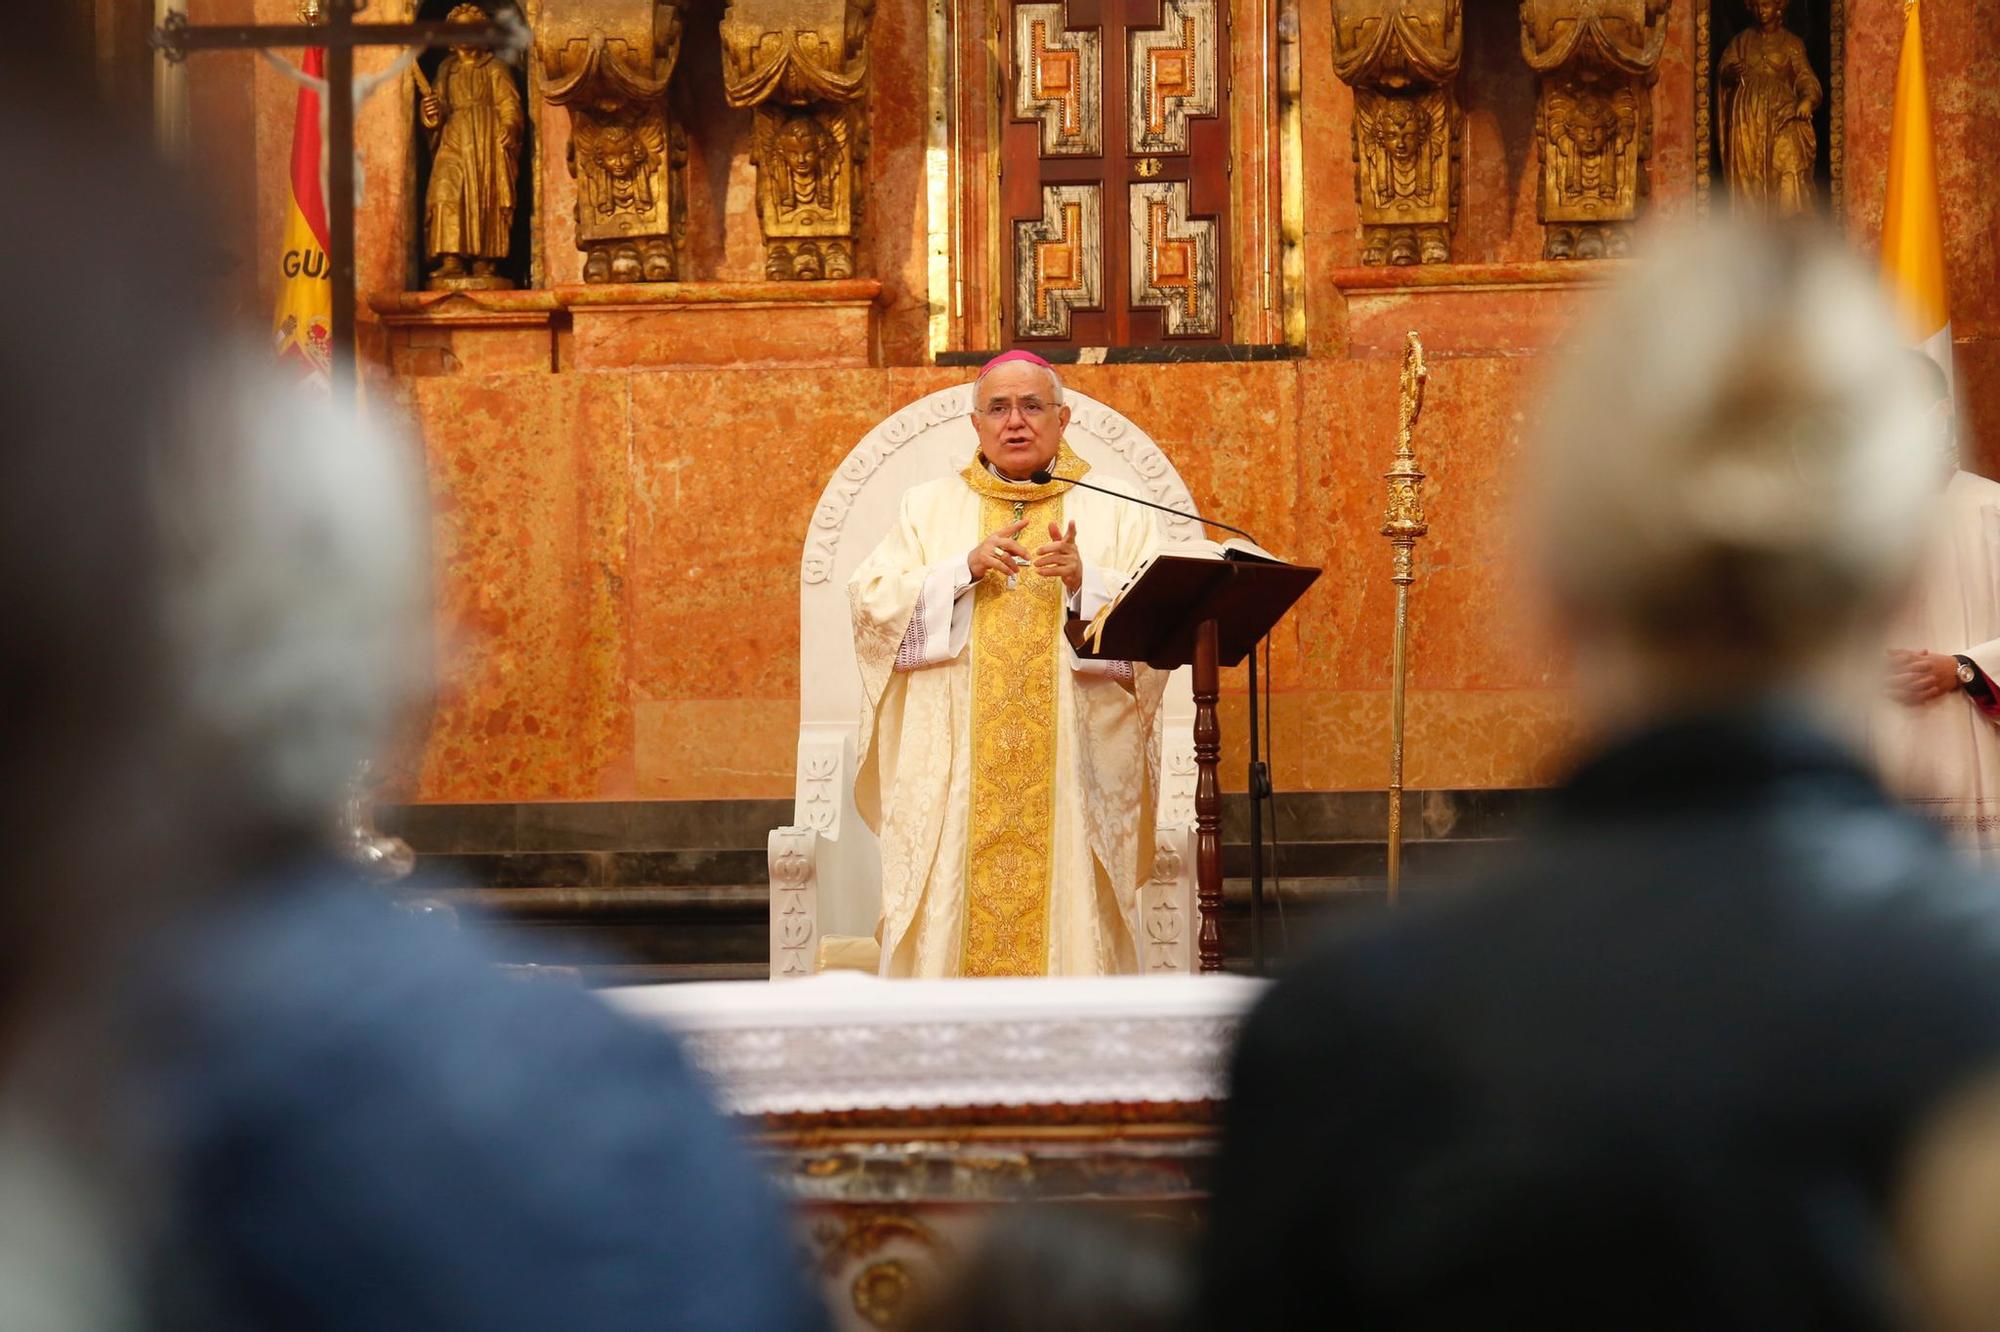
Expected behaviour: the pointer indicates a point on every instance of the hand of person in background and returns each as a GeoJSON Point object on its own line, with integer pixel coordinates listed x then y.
{"type": "Point", "coordinates": [1916, 677]}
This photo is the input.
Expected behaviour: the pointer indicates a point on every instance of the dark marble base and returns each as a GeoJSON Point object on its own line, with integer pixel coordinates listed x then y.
{"type": "Point", "coordinates": [632, 891]}
{"type": "Point", "coordinates": [694, 826]}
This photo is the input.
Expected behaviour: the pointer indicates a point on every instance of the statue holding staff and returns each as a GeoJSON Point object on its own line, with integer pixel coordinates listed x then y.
{"type": "Point", "coordinates": [474, 118]}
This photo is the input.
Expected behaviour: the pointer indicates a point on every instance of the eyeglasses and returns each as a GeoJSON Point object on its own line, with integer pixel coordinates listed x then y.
{"type": "Point", "coordinates": [1000, 409]}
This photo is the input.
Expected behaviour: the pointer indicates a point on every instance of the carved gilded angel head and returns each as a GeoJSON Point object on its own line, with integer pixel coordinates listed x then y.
{"type": "Point", "coordinates": [798, 144]}
{"type": "Point", "coordinates": [620, 152]}
{"type": "Point", "coordinates": [1402, 130]}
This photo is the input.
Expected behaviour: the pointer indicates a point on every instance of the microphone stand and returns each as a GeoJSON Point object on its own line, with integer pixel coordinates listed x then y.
{"type": "Point", "coordinates": [1259, 777]}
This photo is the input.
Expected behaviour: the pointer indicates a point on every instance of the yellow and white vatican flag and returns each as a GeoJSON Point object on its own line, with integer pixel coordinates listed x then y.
{"type": "Point", "coordinates": [304, 323]}
{"type": "Point", "coordinates": [1912, 234]}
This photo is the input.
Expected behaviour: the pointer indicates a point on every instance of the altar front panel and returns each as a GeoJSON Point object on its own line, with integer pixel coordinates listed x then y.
{"type": "Point", "coordinates": [897, 1116]}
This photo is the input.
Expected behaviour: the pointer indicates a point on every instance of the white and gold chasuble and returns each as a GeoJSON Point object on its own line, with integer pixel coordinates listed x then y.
{"type": "Point", "coordinates": [1011, 786]}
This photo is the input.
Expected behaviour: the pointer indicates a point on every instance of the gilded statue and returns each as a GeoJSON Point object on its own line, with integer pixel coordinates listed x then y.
{"type": "Point", "coordinates": [1402, 59]}
{"type": "Point", "coordinates": [1596, 61]}
{"type": "Point", "coordinates": [472, 114]}
{"type": "Point", "coordinates": [609, 63]}
{"type": "Point", "coordinates": [803, 66]}
{"type": "Point", "coordinates": [1765, 128]}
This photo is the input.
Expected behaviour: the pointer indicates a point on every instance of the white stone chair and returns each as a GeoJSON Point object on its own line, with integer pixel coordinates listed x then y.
{"type": "Point", "coordinates": [826, 871]}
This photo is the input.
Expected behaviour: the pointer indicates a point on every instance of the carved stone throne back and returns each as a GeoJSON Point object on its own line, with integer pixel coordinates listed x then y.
{"type": "Point", "coordinates": [930, 438]}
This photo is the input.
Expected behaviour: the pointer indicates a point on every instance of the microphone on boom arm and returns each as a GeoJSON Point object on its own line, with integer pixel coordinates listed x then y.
{"type": "Point", "coordinates": [1260, 789]}
{"type": "Point", "coordinates": [1044, 476]}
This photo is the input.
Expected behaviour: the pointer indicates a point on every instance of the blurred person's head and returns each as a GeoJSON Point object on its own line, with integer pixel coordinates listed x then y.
{"type": "Point", "coordinates": [294, 589]}
{"type": "Point", "coordinates": [1066, 1269]}
{"type": "Point", "coordinates": [101, 337]}
{"type": "Point", "coordinates": [1731, 473]}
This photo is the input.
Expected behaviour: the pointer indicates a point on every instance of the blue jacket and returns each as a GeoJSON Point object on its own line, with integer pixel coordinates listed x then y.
{"type": "Point", "coordinates": [364, 1125]}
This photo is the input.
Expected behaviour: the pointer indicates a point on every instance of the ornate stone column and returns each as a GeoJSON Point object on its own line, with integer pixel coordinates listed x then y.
{"type": "Point", "coordinates": [1402, 59]}
{"type": "Point", "coordinates": [803, 66]}
{"type": "Point", "coordinates": [608, 62]}
{"type": "Point", "coordinates": [1597, 60]}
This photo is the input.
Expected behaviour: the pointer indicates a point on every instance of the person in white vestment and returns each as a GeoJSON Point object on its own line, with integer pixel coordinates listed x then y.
{"type": "Point", "coordinates": [1936, 735]}
{"type": "Point", "coordinates": [1011, 784]}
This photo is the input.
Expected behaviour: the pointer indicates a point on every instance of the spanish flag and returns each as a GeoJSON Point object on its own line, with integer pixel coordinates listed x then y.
{"type": "Point", "coordinates": [1912, 235]}
{"type": "Point", "coordinates": [304, 322]}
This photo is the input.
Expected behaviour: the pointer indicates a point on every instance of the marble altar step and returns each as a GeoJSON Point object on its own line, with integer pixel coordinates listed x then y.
{"type": "Point", "coordinates": [635, 892]}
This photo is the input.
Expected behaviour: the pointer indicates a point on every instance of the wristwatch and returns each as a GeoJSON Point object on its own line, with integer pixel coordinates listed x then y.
{"type": "Point", "coordinates": [1967, 673]}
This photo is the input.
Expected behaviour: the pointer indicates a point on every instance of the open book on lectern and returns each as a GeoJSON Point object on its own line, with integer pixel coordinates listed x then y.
{"type": "Point", "coordinates": [1157, 614]}
{"type": "Point", "coordinates": [1231, 548]}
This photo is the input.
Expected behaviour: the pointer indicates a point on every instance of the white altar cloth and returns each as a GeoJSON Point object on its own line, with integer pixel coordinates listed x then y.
{"type": "Point", "coordinates": [844, 1041]}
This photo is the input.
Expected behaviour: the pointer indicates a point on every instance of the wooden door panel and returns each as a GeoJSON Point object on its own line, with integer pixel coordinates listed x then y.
{"type": "Point", "coordinates": [1115, 173]}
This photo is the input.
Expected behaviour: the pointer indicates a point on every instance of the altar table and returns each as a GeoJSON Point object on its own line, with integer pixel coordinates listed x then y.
{"type": "Point", "coordinates": [895, 1113]}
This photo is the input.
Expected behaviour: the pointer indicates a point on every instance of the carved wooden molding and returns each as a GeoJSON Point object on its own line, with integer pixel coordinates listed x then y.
{"type": "Point", "coordinates": [794, 902]}
{"type": "Point", "coordinates": [821, 783]}
{"type": "Point", "coordinates": [1166, 905]}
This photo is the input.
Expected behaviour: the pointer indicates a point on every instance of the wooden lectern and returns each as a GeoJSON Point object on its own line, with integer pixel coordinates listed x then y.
{"type": "Point", "coordinates": [1206, 613]}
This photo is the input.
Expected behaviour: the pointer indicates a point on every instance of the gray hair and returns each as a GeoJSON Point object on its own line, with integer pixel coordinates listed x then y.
{"type": "Point", "coordinates": [1732, 460]}
{"type": "Point", "coordinates": [1055, 383]}
{"type": "Point", "coordinates": [296, 603]}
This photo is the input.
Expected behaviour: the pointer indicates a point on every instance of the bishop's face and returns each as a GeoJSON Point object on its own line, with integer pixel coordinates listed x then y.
{"type": "Point", "coordinates": [1017, 420]}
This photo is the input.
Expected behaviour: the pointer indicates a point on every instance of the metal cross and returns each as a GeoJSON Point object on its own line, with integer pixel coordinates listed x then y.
{"type": "Point", "coordinates": [339, 35]}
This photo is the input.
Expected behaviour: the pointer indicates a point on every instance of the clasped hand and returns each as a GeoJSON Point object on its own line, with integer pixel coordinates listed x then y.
{"type": "Point", "coordinates": [1002, 553]}
{"type": "Point", "coordinates": [1919, 677]}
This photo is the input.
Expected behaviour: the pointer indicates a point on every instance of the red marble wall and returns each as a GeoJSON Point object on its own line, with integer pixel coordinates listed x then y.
{"type": "Point", "coordinates": [617, 615]}
{"type": "Point", "coordinates": [616, 619]}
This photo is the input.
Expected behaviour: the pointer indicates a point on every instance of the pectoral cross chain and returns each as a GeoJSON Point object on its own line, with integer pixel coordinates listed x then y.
{"type": "Point", "coordinates": [1020, 508]}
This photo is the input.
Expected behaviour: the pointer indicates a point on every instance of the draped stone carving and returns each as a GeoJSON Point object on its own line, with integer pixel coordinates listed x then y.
{"type": "Point", "coordinates": [803, 66]}
{"type": "Point", "coordinates": [1596, 61]}
{"type": "Point", "coordinates": [608, 63]}
{"type": "Point", "coordinates": [1402, 58]}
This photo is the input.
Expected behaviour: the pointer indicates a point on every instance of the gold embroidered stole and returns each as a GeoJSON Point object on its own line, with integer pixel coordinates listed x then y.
{"type": "Point", "coordinates": [1010, 855]}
